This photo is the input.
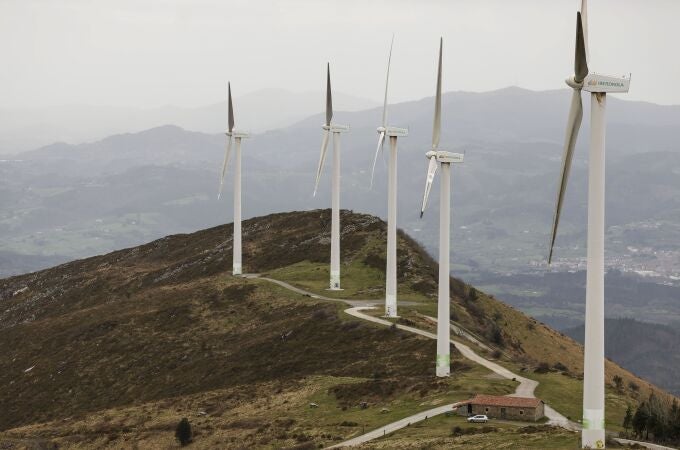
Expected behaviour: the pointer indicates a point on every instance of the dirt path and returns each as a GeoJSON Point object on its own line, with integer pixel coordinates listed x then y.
{"type": "Point", "coordinates": [394, 426]}
{"type": "Point", "coordinates": [297, 290]}
{"type": "Point", "coordinates": [644, 444]}
{"type": "Point", "coordinates": [526, 386]}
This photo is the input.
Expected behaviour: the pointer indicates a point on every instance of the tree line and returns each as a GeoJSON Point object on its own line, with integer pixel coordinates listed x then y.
{"type": "Point", "coordinates": [654, 419]}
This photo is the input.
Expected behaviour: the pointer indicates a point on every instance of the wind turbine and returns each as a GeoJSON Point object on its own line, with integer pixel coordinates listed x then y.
{"type": "Point", "coordinates": [593, 435]}
{"type": "Point", "coordinates": [393, 133]}
{"type": "Point", "coordinates": [237, 267]}
{"type": "Point", "coordinates": [335, 129]}
{"type": "Point", "coordinates": [445, 159]}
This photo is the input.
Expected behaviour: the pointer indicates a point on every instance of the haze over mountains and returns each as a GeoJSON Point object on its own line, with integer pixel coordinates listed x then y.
{"type": "Point", "coordinates": [68, 201]}
{"type": "Point", "coordinates": [266, 109]}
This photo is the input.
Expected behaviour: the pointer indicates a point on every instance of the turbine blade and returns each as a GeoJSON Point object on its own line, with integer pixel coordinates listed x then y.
{"type": "Point", "coordinates": [387, 83]}
{"type": "Point", "coordinates": [580, 58]}
{"type": "Point", "coordinates": [436, 129]}
{"type": "Point", "coordinates": [329, 99]}
{"type": "Point", "coordinates": [231, 111]}
{"type": "Point", "coordinates": [584, 21]}
{"type": "Point", "coordinates": [381, 140]}
{"type": "Point", "coordinates": [573, 125]}
{"type": "Point", "coordinates": [322, 158]}
{"type": "Point", "coordinates": [224, 167]}
{"type": "Point", "coordinates": [431, 171]}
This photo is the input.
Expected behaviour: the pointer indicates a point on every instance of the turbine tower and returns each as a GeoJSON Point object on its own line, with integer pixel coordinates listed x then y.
{"type": "Point", "coordinates": [593, 434]}
{"type": "Point", "coordinates": [393, 133]}
{"type": "Point", "coordinates": [445, 159]}
{"type": "Point", "coordinates": [335, 129]}
{"type": "Point", "coordinates": [237, 266]}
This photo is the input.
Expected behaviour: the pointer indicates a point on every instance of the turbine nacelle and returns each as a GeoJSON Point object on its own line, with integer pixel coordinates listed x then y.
{"type": "Point", "coordinates": [238, 134]}
{"type": "Point", "coordinates": [603, 83]}
{"type": "Point", "coordinates": [597, 83]}
{"type": "Point", "coordinates": [437, 157]}
{"type": "Point", "coordinates": [393, 131]}
{"type": "Point", "coordinates": [445, 157]}
{"type": "Point", "coordinates": [335, 128]}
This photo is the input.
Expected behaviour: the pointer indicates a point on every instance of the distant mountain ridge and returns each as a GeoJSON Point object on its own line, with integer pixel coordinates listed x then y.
{"type": "Point", "coordinates": [266, 109]}
{"type": "Point", "coordinates": [63, 202]}
{"type": "Point", "coordinates": [512, 138]}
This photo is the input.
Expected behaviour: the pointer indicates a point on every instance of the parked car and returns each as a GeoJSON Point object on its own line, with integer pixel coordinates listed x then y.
{"type": "Point", "coordinates": [479, 418]}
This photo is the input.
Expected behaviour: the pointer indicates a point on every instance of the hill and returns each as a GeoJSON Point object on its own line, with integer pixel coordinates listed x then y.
{"type": "Point", "coordinates": [111, 351]}
{"type": "Point", "coordinates": [646, 349]}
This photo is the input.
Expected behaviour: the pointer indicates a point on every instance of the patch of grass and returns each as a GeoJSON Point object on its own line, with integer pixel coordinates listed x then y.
{"type": "Point", "coordinates": [357, 280]}
{"type": "Point", "coordinates": [360, 278]}
{"type": "Point", "coordinates": [565, 394]}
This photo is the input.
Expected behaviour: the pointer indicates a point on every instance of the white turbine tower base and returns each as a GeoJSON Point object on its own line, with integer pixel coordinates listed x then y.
{"type": "Point", "coordinates": [391, 269]}
{"type": "Point", "coordinates": [593, 364]}
{"type": "Point", "coordinates": [237, 266]}
{"type": "Point", "coordinates": [335, 130]}
{"type": "Point", "coordinates": [237, 262]}
{"type": "Point", "coordinates": [443, 368]}
{"type": "Point", "coordinates": [444, 159]}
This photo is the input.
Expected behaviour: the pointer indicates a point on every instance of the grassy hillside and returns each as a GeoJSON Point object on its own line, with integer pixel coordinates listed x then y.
{"type": "Point", "coordinates": [526, 345]}
{"type": "Point", "coordinates": [112, 351]}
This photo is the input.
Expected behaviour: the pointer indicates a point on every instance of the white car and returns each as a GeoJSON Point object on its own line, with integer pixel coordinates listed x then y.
{"type": "Point", "coordinates": [479, 418]}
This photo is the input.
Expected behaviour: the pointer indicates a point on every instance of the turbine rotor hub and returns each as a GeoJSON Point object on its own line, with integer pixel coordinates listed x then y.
{"type": "Point", "coordinates": [445, 157]}
{"type": "Point", "coordinates": [335, 128]}
{"type": "Point", "coordinates": [572, 83]}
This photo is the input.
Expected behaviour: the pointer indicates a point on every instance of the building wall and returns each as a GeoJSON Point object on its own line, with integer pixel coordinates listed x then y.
{"type": "Point", "coordinates": [511, 413]}
{"type": "Point", "coordinates": [540, 411]}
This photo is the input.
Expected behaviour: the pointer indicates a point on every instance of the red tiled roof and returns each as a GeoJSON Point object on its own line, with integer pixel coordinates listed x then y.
{"type": "Point", "coordinates": [493, 400]}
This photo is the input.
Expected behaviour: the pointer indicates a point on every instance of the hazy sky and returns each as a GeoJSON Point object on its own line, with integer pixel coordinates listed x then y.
{"type": "Point", "coordinates": [157, 52]}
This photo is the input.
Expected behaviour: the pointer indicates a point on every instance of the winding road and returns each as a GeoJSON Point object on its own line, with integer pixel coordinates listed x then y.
{"type": "Point", "coordinates": [525, 388]}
